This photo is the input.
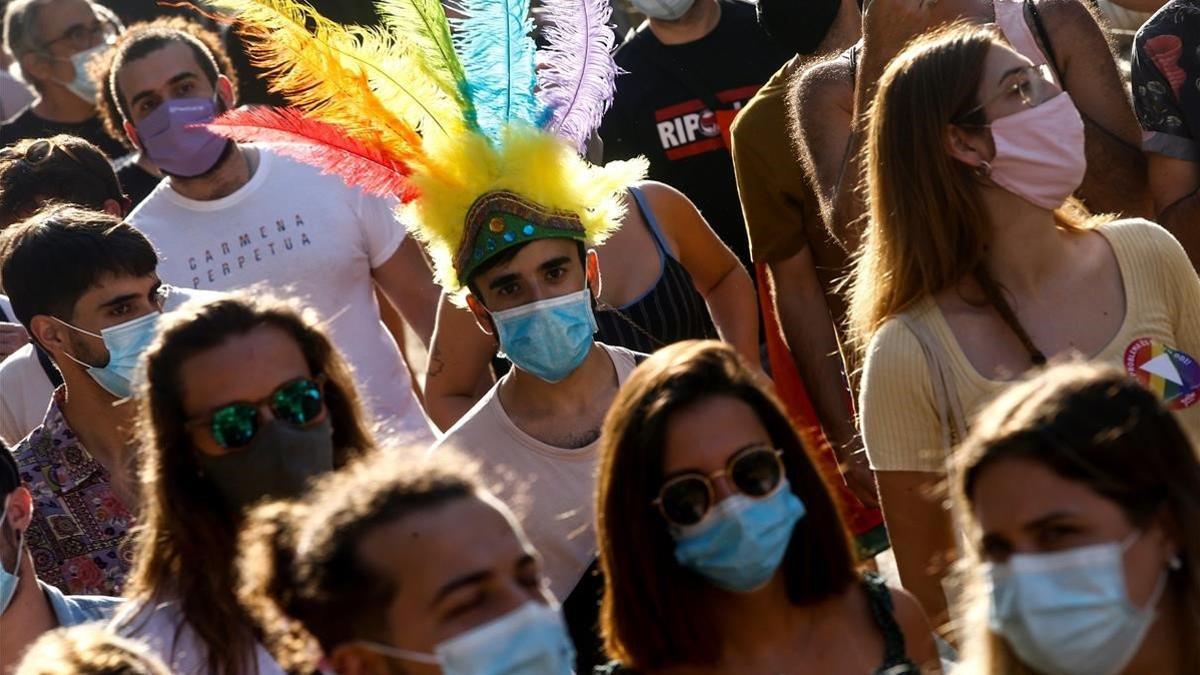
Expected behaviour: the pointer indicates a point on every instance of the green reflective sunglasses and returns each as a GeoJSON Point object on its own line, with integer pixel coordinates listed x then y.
{"type": "Point", "coordinates": [298, 402]}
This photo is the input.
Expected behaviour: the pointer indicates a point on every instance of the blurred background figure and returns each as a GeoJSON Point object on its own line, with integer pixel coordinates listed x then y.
{"type": "Point", "coordinates": [1079, 490]}
{"type": "Point", "coordinates": [685, 73]}
{"type": "Point", "coordinates": [30, 607]}
{"type": "Point", "coordinates": [53, 43]}
{"type": "Point", "coordinates": [1166, 95]}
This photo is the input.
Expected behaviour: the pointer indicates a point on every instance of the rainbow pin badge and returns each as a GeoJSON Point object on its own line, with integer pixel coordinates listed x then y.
{"type": "Point", "coordinates": [1170, 373]}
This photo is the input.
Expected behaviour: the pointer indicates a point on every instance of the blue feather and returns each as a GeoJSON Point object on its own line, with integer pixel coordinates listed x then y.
{"type": "Point", "coordinates": [494, 43]}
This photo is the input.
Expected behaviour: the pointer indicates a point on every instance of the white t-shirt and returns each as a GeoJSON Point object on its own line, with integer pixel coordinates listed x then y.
{"type": "Point", "coordinates": [25, 393]}
{"type": "Point", "coordinates": [25, 390]}
{"type": "Point", "coordinates": [162, 628]}
{"type": "Point", "coordinates": [302, 234]}
{"type": "Point", "coordinates": [551, 490]}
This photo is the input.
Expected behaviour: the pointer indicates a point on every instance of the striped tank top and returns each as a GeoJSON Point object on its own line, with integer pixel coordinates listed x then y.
{"type": "Point", "coordinates": [670, 311]}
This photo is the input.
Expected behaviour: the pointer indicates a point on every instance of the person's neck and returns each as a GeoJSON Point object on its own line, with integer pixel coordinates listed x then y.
{"type": "Point", "coordinates": [529, 397]}
{"type": "Point", "coordinates": [230, 174]}
{"type": "Point", "coordinates": [753, 625]}
{"type": "Point", "coordinates": [1162, 649]}
{"type": "Point", "coordinates": [946, 11]}
{"type": "Point", "coordinates": [28, 616]}
{"type": "Point", "coordinates": [144, 162]}
{"type": "Point", "coordinates": [58, 104]}
{"type": "Point", "coordinates": [104, 427]}
{"type": "Point", "coordinates": [1026, 246]}
{"type": "Point", "coordinates": [700, 20]}
{"type": "Point", "coordinates": [845, 31]}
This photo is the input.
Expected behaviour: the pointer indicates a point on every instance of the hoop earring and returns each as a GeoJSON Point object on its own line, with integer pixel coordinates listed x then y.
{"type": "Point", "coordinates": [1175, 563]}
{"type": "Point", "coordinates": [984, 170]}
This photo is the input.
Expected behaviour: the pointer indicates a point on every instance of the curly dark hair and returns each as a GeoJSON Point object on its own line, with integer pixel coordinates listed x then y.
{"type": "Point", "coordinates": [139, 40]}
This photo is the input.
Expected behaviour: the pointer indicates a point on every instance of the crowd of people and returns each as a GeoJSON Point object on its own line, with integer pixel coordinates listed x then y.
{"type": "Point", "coordinates": [818, 336]}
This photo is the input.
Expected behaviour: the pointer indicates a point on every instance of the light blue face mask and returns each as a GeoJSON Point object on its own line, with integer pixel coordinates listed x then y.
{"type": "Point", "coordinates": [126, 343]}
{"type": "Point", "coordinates": [1068, 613]}
{"type": "Point", "coordinates": [741, 542]}
{"type": "Point", "coordinates": [10, 580]}
{"type": "Point", "coordinates": [549, 338]}
{"type": "Point", "coordinates": [531, 640]}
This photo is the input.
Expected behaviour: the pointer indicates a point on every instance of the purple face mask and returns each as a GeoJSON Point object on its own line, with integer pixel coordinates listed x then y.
{"type": "Point", "coordinates": [174, 140]}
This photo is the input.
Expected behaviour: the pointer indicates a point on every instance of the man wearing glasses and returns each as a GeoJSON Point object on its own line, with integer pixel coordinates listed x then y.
{"type": "Point", "coordinates": [52, 43]}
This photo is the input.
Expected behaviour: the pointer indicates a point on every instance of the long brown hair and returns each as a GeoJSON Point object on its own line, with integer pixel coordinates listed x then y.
{"type": "Point", "coordinates": [307, 600]}
{"type": "Point", "coordinates": [1093, 425]}
{"type": "Point", "coordinates": [655, 613]}
{"type": "Point", "coordinates": [187, 539]}
{"type": "Point", "coordinates": [929, 227]}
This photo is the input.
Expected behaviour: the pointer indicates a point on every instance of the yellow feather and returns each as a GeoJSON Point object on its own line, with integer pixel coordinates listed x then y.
{"type": "Point", "coordinates": [538, 166]}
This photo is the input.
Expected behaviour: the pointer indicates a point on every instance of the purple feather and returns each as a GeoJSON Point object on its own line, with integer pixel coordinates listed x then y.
{"type": "Point", "coordinates": [576, 71]}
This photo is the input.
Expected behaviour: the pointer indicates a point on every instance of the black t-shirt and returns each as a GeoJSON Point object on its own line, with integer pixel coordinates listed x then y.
{"type": "Point", "coordinates": [664, 103]}
{"type": "Point", "coordinates": [136, 182]}
{"type": "Point", "coordinates": [28, 125]}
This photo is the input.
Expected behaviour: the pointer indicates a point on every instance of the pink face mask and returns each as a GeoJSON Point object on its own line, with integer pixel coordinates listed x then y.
{"type": "Point", "coordinates": [1039, 152]}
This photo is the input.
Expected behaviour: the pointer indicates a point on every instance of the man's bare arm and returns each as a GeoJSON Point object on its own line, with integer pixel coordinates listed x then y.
{"type": "Point", "coordinates": [1116, 177]}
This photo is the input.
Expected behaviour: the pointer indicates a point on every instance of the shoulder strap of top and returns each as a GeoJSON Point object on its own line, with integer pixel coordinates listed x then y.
{"type": "Point", "coordinates": [882, 609]}
{"type": "Point", "coordinates": [651, 221]}
{"type": "Point", "coordinates": [1010, 19]}
{"type": "Point", "coordinates": [1045, 37]}
{"type": "Point", "coordinates": [945, 394]}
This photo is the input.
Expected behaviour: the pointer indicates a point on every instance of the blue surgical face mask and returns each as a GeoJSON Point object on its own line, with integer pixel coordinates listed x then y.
{"type": "Point", "coordinates": [549, 338]}
{"type": "Point", "coordinates": [741, 542]}
{"type": "Point", "coordinates": [531, 640]}
{"type": "Point", "coordinates": [10, 580]}
{"type": "Point", "coordinates": [126, 343]}
{"type": "Point", "coordinates": [1068, 613]}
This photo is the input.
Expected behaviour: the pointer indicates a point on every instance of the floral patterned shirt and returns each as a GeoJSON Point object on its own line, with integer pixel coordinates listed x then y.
{"type": "Point", "coordinates": [79, 533]}
{"type": "Point", "coordinates": [1166, 80]}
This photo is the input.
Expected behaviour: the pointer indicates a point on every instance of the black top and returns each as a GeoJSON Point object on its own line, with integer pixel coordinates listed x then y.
{"type": "Point", "coordinates": [26, 124]}
{"type": "Point", "coordinates": [895, 653]}
{"type": "Point", "coordinates": [671, 311]}
{"type": "Point", "coordinates": [136, 182]}
{"type": "Point", "coordinates": [665, 108]}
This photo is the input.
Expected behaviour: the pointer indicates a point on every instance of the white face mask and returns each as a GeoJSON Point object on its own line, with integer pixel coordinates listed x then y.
{"type": "Point", "coordinates": [663, 10]}
{"type": "Point", "coordinates": [84, 85]}
{"type": "Point", "coordinates": [531, 640]}
{"type": "Point", "coordinates": [1068, 613]}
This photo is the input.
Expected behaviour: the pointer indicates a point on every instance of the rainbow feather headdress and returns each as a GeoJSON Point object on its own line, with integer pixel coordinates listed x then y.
{"type": "Point", "coordinates": [467, 122]}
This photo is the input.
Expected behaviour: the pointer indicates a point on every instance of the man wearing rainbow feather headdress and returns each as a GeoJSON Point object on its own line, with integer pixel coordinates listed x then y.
{"type": "Point", "coordinates": [484, 151]}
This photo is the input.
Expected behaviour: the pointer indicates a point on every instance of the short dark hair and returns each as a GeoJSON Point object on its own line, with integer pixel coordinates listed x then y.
{"type": "Point", "coordinates": [505, 256]}
{"type": "Point", "coordinates": [656, 613]}
{"type": "Point", "coordinates": [144, 38]}
{"type": "Point", "coordinates": [48, 261]}
{"type": "Point", "coordinates": [10, 475]}
{"type": "Point", "coordinates": [73, 172]}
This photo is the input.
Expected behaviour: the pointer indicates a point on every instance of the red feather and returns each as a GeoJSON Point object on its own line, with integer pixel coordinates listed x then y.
{"type": "Point", "coordinates": [323, 145]}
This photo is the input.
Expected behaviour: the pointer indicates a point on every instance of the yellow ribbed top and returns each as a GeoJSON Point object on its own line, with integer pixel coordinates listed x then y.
{"type": "Point", "coordinates": [900, 421]}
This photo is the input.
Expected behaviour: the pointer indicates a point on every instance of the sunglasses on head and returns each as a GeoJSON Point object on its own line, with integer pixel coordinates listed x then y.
{"type": "Point", "coordinates": [755, 471]}
{"type": "Point", "coordinates": [298, 402]}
